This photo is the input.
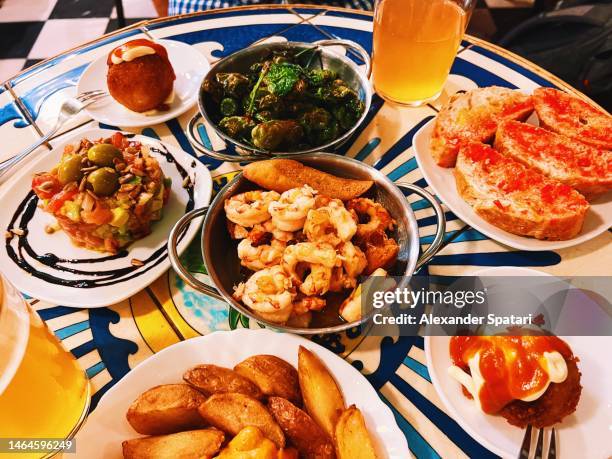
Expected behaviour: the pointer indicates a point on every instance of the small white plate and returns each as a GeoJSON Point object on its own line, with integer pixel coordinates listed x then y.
{"type": "Point", "coordinates": [442, 181]}
{"type": "Point", "coordinates": [189, 65]}
{"type": "Point", "coordinates": [114, 278]}
{"type": "Point", "coordinates": [107, 427]}
{"type": "Point", "coordinates": [583, 434]}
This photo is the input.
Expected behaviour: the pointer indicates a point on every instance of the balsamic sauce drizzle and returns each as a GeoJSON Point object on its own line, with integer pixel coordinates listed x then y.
{"type": "Point", "coordinates": [25, 212]}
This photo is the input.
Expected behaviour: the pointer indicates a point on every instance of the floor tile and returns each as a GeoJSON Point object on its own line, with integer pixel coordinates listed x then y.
{"type": "Point", "coordinates": [25, 10]}
{"type": "Point", "coordinates": [10, 67]}
{"type": "Point", "coordinates": [65, 9]}
{"type": "Point", "coordinates": [59, 35]}
{"type": "Point", "coordinates": [137, 9]}
{"type": "Point", "coordinates": [18, 38]}
{"type": "Point", "coordinates": [113, 24]}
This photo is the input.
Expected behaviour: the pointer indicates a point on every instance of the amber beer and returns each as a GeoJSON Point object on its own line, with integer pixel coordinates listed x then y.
{"type": "Point", "coordinates": [44, 393]}
{"type": "Point", "coordinates": [415, 43]}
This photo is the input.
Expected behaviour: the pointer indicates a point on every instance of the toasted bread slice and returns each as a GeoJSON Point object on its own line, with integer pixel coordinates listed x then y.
{"type": "Point", "coordinates": [515, 198]}
{"type": "Point", "coordinates": [581, 166]}
{"type": "Point", "coordinates": [565, 114]}
{"type": "Point", "coordinates": [473, 117]}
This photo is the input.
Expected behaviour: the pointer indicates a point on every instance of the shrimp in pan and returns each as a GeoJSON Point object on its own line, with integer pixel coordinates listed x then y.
{"type": "Point", "coordinates": [268, 292]}
{"type": "Point", "coordinates": [262, 256]}
{"type": "Point", "coordinates": [373, 217]}
{"type": "Point", "coordinates": [290, 210]}
{"type": "Point", "coordinates": [312, 260]}
{"type": "Point", "coordinates": [250, 208]}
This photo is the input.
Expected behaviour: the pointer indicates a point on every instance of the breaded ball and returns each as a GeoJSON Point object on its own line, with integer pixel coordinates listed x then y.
{"type": "Point", "coordinates": [141, 84]}
{"type": "Point", "coordinates": [559, 400]}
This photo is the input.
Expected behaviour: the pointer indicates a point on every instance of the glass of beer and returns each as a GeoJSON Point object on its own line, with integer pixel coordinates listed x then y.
{"type": "Point", "coordinates": [44, 393]}
{"type": "Point", "coordinates": [415, 43]}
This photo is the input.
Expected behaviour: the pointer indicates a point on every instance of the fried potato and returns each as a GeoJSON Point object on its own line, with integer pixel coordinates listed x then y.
{"type": "Point", "coordinates": [192, 444]}
{"type": "Point", "coordinates": [212, 379]}
{"type": "Point", "coordinates": [166, 409]}
{"type": "Point", "coordinates": [307, 436]}
{"type": "Point", "coordinates": [283, 174]}
{"type": "Point", "coordinates": [231, 412]}
{"type": "Point", "coordinates": [352, 438]}
{"type": "Point", "coordinates": [322, 397]}
{"type": "Point", "coordinates": [272, 375]}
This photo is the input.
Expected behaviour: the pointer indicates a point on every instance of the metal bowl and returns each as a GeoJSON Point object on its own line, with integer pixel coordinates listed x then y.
{"type": "Point", "coordinates": [240, 61]}
{"type": "Point", "coordinates": [220, 254]}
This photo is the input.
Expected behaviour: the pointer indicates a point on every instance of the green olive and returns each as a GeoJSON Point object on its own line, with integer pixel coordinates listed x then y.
{"type": "Point", "coordinates": [69, 169]}
{"type": "Point", "coordinates": [104, 181]}
{"type": "Point", "coordinates": [102, 154]}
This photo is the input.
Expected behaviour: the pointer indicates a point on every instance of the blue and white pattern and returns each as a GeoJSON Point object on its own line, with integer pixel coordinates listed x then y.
{"type": "Point", "coordinates": [110, 341]}
{"type": "Point", "coordinates": [191, 6]}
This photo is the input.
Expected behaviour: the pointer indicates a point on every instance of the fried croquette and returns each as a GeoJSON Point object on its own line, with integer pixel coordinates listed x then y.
{"type": "Point", "coordinates": [559, 400]}
{"type": "Point", "coordinates": [142, 84]}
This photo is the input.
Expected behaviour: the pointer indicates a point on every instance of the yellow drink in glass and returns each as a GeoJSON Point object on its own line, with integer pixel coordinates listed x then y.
{"type": "Point", "coordinates": [44, 393]}
{"type": "Point", "coordinates": [415, 43]}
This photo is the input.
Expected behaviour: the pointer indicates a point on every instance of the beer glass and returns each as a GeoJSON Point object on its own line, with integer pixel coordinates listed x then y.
{"type": "Point", "coordinates": [415, 43]}
{"type": "Point", "coordinates": [44, 393]}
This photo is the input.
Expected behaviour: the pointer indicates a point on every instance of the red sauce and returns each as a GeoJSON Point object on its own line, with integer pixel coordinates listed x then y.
{"type": "Point", "coordinates": [479, 152]}
{"type": "Point", "coordinates": [119, 50]}
{"type": "Point", "coordinates": [510, 365]}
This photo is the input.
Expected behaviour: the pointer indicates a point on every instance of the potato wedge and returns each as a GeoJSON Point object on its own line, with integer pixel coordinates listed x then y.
{"type": "Point", "coordinates": [353, 440]}
{"type": "Point", "coordinates": [310, 439]}
{"type": "Point", "coordinates": [191, 444]}
{"type": "Point", "coordinates": [166, 409]}
{"type": "Point", "coordinates": [272, 375]}
{"type": "Point", "coordinates": [322, 397]}
{"type": "Point", "coordinates": [283, 174]}
{"type": "Point", "coordinates": [231, 412]}
{"type": "Point", "coordinates": [212, 379]}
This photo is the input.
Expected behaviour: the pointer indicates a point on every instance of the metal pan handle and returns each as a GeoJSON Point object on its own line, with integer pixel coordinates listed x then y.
{"type": "Point", "coordinates": [350, 44]}
{"type": "Point", "coordinates": [175, 260]}
{"type": "Point", "coordinates": [192, 129]}
{"type": "Point", "coordinates": [440, 227]}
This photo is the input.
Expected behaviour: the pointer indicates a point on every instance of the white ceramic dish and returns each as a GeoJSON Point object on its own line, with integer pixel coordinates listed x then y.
{"type": "Point", "coordinates": [189, 65]}
{"type": "Point", "coordinates": [107, 427]}
{"type": "Point", "coordinates": [53, 282]}
{"type": "Point", "coordinates": [583, 434]}
{"type": "Point", "coordinates": [442, 182]}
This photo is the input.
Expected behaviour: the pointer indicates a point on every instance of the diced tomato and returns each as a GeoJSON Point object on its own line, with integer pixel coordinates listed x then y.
{"type": "Point", "coordinates": [58, 200]}
{"type": "Point", "coordinates": [119, 140]}
{"type": "Point", "coordinates": [51, 187]}
{"type": "Point", "coordinates": [99, 215]}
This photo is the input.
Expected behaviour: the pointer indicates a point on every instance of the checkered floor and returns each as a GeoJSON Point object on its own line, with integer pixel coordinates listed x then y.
{"type": "Point", "coordinates": [33, 30]}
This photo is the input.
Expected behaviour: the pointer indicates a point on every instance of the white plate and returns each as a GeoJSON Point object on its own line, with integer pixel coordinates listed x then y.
{"type": "Point", "coordinates": [583, 434]}
{"type": "Point", "coordinates": [442, 182]}
{"type": "Point", "coordinates": [107, 427]}
{"type": "Point", "coordinates": [189, 65]}
{"type": "Point", "coordinates": [109, 288]}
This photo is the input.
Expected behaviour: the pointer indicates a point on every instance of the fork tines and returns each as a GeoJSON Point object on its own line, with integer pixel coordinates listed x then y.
{"type": "Point", "coordinates": [539, 449]}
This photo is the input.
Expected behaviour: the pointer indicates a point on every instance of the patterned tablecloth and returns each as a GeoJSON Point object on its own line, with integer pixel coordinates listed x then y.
{"type": "Point", "coordinates": [109, 341]}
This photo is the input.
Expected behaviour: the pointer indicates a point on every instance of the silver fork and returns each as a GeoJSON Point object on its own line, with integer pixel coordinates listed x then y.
{"type": "Point", "coordinates": [539, 449]}
{"type": "Point", "coordinates": [68, 109]}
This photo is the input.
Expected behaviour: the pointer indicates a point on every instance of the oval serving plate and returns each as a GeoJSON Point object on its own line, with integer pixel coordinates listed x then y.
{"type": "Point", "coordinates": [442, 181]}
{"type": "Point", "coordinates": [49, 267]}
{"type": "Point", "coordinates": [189, 65]}
{"type": "Point", "coordinates": [107, 427]}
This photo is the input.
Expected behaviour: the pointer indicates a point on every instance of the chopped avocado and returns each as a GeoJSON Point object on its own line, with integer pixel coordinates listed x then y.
{"type": "Point", "coordinates": [136, 180]}
{"type": "Point", "coordinates": [72, 210]}
{"type": "Point", "coordinates": [120, 217]}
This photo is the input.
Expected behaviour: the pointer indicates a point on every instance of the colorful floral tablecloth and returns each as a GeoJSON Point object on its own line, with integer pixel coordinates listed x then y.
{"type": "Point", "coordinates": [109, 341]}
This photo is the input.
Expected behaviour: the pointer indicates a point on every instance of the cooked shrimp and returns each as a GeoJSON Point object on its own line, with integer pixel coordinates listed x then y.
{"type": "Point", "coordinates": [331, 223]}
{"type": "Point", "coordinates": [260, 231]}
{"type": "Point", "coordinates": [261, 256]}
{"type": "Point", "coordinates": [310, 266]}
{"type": "Point", "coordinates": [353, 263]}
{"type": "Point", "coordinates": [249, 208]}
{"type": "Point", "coordinates": [269, 292]}
{"type": "Point", "coordinates": [380, 251]}
{"type": "Point", "coordinates": [304, 304]}
{"type": "Point", "coordinates": [236, 231]}
{"type": "Point", "coordinates": [372, 217]}
{"type": "Point", "coordinates": [290, 210]}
